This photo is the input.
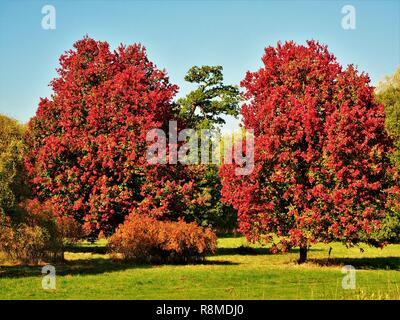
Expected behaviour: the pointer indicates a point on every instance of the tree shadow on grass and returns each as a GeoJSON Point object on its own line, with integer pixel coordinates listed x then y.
{"type": "Point", "coordinates": [87, 249]}
{"type": "Point", "coordinates": [75, 267]}
{"type": "Point", "coordinates": [377, 263]}
{"type": "Point", "coordinates": [242, 250]}
{"type": "Point", "coordinates": [215, 262]}
{"type": "Point", "coordinates": [245, 250]}
{"type": "Point", "coordinates": [91, 267]}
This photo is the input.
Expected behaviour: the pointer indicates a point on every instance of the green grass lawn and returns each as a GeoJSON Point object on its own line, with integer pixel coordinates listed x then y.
{"type": "Point", "coordinates": [236, 272]}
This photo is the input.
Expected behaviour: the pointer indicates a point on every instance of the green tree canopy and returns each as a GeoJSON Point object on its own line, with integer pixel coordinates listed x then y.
{"type": "Point", "coordinates": [204, 107]}
{"type": "Point", "coordinates": [388, 93]}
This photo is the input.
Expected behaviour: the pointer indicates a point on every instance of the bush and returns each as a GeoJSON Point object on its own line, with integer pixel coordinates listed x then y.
{"type": "Point", "coordinates": [24, 243]}
{"type": "Point", "coordinates": [36, 233]}
{"type": "Point", "coordinates": [185, 242]}
{"type": "Point", "coordinates": [64, 228]}
{"type": "Point", "coordinates": [144, 239]}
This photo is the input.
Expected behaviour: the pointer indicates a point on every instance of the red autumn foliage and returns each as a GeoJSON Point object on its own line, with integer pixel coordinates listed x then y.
{"type": "Point", "coordinates": [322, 170]}
{"type": "Point", "coordinates": [172, 192]}
{"type": "Point", "coordinates": [145, 239]}
{"type": "Point", "coordinates": [87, 142]}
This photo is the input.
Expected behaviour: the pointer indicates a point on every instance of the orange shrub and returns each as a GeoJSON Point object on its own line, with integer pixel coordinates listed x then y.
{"type": "Point", "coordinates": [35, 233]}
{"type": "Point", "coordinates": [144, 239]}
{"type": "Point", "coordinates": [24, 243]}
{"type": "Point", "coordinates": [65, 227]}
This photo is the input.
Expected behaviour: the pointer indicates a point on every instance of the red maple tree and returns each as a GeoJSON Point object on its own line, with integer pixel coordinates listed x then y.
{"type": "Point", "coordinates": [322, 170]}
{"type": "Point", "coordinates": [87, 142]}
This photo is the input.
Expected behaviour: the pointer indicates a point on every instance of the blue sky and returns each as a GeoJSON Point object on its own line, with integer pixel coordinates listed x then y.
{"type": "Point", "coordinates": [180, 34]}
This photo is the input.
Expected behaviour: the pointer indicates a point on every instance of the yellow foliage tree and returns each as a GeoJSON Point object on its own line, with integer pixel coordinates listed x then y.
{"type": "Point", "coordinates": [12, 178]}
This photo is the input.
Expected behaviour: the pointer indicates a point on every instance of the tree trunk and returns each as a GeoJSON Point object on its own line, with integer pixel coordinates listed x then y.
{"type": "Point", "coordinates": [303, 254]}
